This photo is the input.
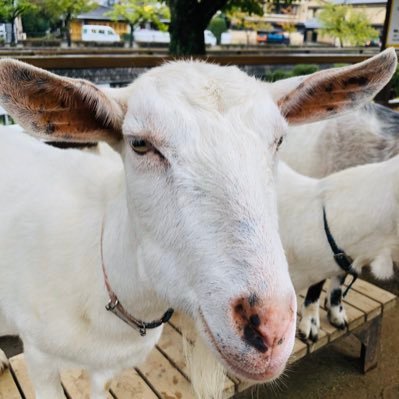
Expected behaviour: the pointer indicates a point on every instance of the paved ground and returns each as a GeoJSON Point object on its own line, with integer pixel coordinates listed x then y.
{"type": "Point", "coordinates": [331, 373]}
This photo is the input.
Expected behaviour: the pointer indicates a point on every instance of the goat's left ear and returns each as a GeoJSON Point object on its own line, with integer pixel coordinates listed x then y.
{"type": "Point", "coordinates": [323, 94]}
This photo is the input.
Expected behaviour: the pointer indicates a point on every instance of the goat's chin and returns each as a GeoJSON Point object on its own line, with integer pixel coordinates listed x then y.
{"type": "Point", "coordinates": [271, 372]}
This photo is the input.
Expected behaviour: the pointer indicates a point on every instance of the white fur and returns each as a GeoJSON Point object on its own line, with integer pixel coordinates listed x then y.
{"type": "Point", "coordinates": [367, 135]}
{"type": "Point", "coordinates": [195, 234]}
{"type": "Point", "coordinates": [309, 324]}
{"type": "Point", "coordinates": [362, 206]}
{"type": "Point", "coordinates": [196, 229]}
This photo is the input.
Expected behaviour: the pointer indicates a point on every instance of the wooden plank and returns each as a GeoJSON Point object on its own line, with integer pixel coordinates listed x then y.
{"type": "Point", "coordinates": [20, 370]}
{"type": "Point", "coordinates": [129, 385]}
{"type": "Point", "coordinates": [8, 388]}
{"type": "Point", "coordinates": [300, 350]}
{"type": "Point", "coordinates": [385, 298]}
{"type": "Point", "coordinates": [171, 346]}
{"type": "Point", "coordinates": [370, 307]}
{"type": "Point", "coordinates": [77, 384]}
{"type": "Point", "coordinates": [165, 379]}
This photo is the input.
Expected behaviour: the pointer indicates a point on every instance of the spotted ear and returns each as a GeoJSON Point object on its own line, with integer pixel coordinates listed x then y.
{"type": "Point", "coordinates": [57, 108]}
{"type": "Point", "coordinates": [323, 94]}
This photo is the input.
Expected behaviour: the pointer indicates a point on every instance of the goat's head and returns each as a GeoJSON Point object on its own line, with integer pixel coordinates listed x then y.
{"type": "Point", "coordinates": [199, 145]}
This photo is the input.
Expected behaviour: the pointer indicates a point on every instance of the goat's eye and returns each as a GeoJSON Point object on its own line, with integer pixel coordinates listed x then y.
{"type": "Point", "coordinates": [279, 142]}
{"type": "Point", "coordinates": [141, 146]}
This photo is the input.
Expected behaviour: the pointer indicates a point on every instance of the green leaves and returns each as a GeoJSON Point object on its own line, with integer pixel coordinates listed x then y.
{"type": "Point", "coordinates": [137, 12]}
{"type": "Point", "coordinates": [346, 24]}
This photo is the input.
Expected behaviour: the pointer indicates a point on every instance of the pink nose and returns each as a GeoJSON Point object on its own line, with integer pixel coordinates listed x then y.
{"type": "Point", "coordinates": [263, 327]}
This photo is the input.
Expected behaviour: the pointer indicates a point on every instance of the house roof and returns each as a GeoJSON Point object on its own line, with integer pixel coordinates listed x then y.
{"type": "Point", "coordinates": [98, 14]}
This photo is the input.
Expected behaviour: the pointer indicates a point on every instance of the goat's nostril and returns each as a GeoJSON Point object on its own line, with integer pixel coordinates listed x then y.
{"type": "Point", "coordinates": [254, 339]}
{"type": "Point", "coordinates": [255, 320]}
{"type": "Point", "coordinates": [280, 341]}
{"type": "Point", "coordinates": [239, 308]}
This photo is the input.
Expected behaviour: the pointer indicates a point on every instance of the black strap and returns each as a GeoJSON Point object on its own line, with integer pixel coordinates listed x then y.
{"type": "Point", "coordinates": [341, 258]}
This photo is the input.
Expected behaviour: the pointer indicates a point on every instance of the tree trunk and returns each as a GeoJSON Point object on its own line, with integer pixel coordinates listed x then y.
{"type": "Point", "coordinates": [13, 41]}
{"type": "Point", "coordinates": [131, 36]}
{"type": "Point", "coordinates": [189, 19]}
{"type": "Point", "coordinates": [67, 31]}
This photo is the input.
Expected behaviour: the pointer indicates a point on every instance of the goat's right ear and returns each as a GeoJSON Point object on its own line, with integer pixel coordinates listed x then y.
{"type": "Point", "coordinates": [326, 93]}
{"type": "Point", "coordinates": [57, 108]}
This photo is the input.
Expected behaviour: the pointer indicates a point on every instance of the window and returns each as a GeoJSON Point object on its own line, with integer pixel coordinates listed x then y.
{"type": "Point", "coordinates": [101, 31]}
{"type": "Point", "coordinates": [85, 31]}
{"type": "Point", "coordinates": [110, 32]}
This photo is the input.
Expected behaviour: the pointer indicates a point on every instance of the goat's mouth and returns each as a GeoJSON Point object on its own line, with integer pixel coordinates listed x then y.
{"type": "Point", "coordinates": [269, 374]}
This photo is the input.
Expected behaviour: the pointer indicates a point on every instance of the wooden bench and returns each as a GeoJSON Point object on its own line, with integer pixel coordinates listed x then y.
{"type": "Point", "coordinates": [165, 375]}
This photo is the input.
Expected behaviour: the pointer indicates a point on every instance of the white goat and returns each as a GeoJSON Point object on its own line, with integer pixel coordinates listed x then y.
{"type": "Point", "coordinates": [190, 222]}
{"type": "Point", "coordinates": [362, 209]}
{"type": "Point", "coordinates": [367, 135]}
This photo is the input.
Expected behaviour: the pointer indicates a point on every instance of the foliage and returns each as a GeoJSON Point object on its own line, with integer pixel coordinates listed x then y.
{"type": "Point", "coordinates": [65, 10]}
{"type": "Point", "coordinates": [137, 12]}
{"type": "Point", "coordinates": [298, 70]}
{"type": "Point", "coordinates": [10, 9]}
{"type": "Point", "coordinates": [217, 26]}
{"type": "Point", "coordinates": [35, 23]}
{"type": "Point", "coordinates": [346, 24]}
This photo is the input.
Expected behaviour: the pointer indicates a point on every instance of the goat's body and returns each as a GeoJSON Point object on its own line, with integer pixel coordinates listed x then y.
{"type": "Point", "coordinates": [362, 211]}
{"type": "Point", "coordinates": [367, 135]}
{"type": "Point", "coordinates": [60, 264]}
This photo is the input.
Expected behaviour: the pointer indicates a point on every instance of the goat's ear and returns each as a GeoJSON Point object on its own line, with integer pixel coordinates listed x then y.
{"type": "Point", "coordinates": [60, 109]}
{"type": "Point", "coordinates": [323, 94]}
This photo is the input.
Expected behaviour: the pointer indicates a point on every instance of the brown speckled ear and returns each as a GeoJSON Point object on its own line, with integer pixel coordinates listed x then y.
{"type": "Point", "coordinates": [326, 93]}
{"type": "Point", "coordinates": [56, 108]}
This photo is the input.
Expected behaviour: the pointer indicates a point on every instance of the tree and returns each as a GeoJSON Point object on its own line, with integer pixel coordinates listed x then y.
{"type": "Point", "coordinates": [12, 9]}
{"type": "Point", "coordinates": [189, 19]}
{"type": "Point", "coordinates": [345, 23]}
{"type": "Point", "coordinates": [137, 12]}
{"type": "Point", "coordinates": [35, 23]}
{"type": "Point", "coordinates": [217, 26]}
{"type": "Point", "coordinates": [66, 10]}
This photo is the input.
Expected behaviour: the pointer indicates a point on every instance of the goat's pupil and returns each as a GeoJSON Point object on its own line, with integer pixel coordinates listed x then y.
{"type": "Point", "coordinates": [280, 141]}
{"type": "Point", "coordinates": [140, 146]}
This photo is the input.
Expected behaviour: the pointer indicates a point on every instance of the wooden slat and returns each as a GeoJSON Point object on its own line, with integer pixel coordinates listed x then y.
{"type": "Point", "coordinates": [172, 346]}
{"type": "Point", "coordinates": [168, 382]}
{"type": "Point", "coordinates": [20, 370]}
{"type": "Point", "coordinates": [300, 350]}
{"type": "Point", "coordinates": [370, 307]}
{"type": "Point", "coordinates": [8, 388]}
{"type": "Point", "coordinates": [385, 298]}
{"type": "Point", "coordinates": [77, 384]}
{"type": "Point", "coordinates": [129, 385]}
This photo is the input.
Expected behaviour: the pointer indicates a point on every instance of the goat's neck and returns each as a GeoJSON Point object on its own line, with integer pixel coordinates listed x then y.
{"type": "Point", "coordinates": [123, 265]}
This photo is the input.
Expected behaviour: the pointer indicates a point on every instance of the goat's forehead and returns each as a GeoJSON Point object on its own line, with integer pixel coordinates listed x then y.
{"type": "Point", "coordinates": [192, 96]}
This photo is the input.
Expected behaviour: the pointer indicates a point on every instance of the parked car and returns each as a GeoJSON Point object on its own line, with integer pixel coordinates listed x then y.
{"type": "Point", "coordinates": [272, 37]}
{"type": "Point", "coordinates": [151, 36]}
{"type": "Point", "coordinates": [99, 33]}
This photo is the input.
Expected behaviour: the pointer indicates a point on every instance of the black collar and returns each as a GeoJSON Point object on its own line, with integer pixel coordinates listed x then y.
{"type": "Point", "coordinates": [341, 258]}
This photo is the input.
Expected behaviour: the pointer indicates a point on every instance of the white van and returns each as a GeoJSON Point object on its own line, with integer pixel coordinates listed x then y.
{"type": "Point", "coordinates": [99, 33]}
{"type": "Point", "coordinates": [151, 36]}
